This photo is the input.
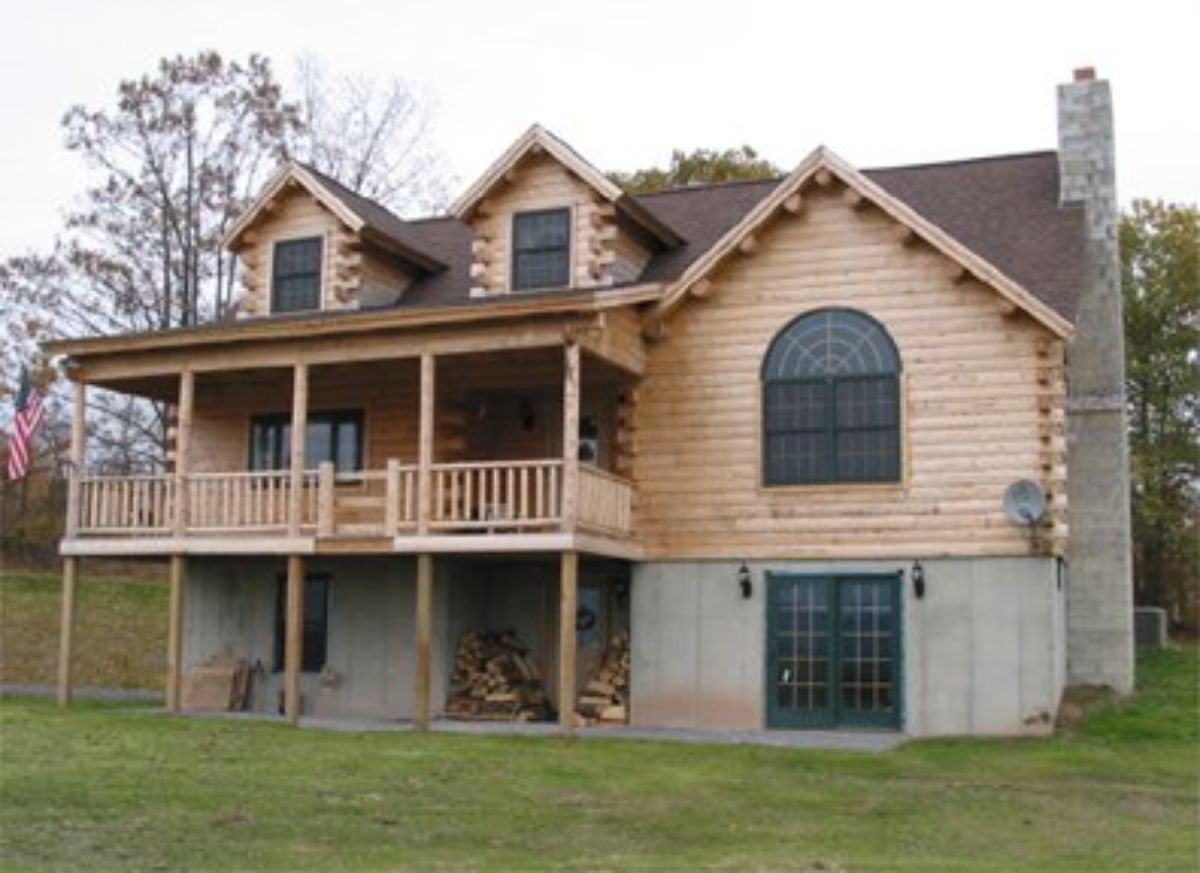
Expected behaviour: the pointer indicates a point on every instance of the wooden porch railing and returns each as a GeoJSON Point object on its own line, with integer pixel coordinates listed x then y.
{"type": "Point", "coordinates": [142, 504]}
{"type": "Point", "coordinates": [247, 501]}
{"type": "Point", "coordinates": [605, 502]}
{"type": "Point", "coordinates": [469, 497]}
{"type": "Point", "coordinates": [497, 495]}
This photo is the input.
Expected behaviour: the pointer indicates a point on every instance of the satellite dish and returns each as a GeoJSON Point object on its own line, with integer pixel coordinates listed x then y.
{"type": "Point", "coordinates": [1024, 502]}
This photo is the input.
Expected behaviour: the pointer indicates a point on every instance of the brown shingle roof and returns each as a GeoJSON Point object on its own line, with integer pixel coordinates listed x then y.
{"type": "Point", "coordinates": [379, 219]}
{"type": "Point", "coordinates": [1004, 208]}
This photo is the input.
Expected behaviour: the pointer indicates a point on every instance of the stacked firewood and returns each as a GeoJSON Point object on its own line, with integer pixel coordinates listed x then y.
{"type": "Point", "coordinates": [605, 697]}
{"type": "Point", "coordinates": [496, 680]}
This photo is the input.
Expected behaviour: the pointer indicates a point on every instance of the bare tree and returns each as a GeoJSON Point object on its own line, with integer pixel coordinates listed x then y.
{"type": "Point", "coordinates": [372, 135]}
{"type": "Point", "coordinates": [177, 158]}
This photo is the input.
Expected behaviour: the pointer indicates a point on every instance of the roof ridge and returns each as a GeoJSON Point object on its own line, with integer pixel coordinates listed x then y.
{"type": "Point", "coordinates": [728, 183]}
{"type": "Point", "coordinates": [958, 162]}
{"type": "Point", "coordinates": [347, 189]}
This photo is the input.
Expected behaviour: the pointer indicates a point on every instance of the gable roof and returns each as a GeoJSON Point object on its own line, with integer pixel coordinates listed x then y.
{"type": "Point", "coordinates": [537, 140]}
{"type": "Point", "coordinates": [822, 163]}
{"type": "Point", "coordinates": [362, 215]}
{"type": "Point", "coordinates": [1003, 209]}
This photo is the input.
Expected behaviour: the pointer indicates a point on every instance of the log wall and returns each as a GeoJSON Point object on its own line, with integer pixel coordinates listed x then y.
{"type": "Point", "coordinates": [982, 404]}
{"type": "Point", "coordinates": [352, 272]}
{"type": "Point", "coordinates": [540, 182]}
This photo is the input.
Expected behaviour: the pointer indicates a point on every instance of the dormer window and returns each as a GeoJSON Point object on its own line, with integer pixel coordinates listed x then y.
{"type": "Point", "coordinates": [296, 275]}
{"type": "Point", "coordinates": [541, 249]}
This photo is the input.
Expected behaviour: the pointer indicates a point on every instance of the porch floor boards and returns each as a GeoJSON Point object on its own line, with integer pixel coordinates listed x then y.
{"type": "Point", "coordinates": [846, 741]}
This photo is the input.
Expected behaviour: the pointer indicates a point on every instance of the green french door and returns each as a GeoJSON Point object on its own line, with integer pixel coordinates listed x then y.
{"type": "Point", "coordinates": [833, 651]}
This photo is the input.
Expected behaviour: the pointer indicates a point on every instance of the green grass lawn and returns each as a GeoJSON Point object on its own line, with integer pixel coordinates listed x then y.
{"type": "Point", "coordinates": [115, 786]}
{"type": "Point", "coordinates": [120, 632]}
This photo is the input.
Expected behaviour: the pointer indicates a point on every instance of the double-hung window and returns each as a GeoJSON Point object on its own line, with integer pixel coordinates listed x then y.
{"type": "Point", "coordinates": [541, 249]}
{"type": "Point", "coordinates": [296, 275]}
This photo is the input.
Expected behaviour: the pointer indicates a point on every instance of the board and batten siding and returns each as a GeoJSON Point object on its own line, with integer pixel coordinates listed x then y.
{"type": "Point", "coordinates": [981, 400]}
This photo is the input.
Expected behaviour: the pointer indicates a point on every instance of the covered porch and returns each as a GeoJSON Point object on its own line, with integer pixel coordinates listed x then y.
{"type": "Point", "coordinates": [390, 455]}
{"type": "Point", "coordinates": [466, 440]}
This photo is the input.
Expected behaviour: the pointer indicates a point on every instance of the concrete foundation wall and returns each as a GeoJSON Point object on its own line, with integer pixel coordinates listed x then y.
{"type": "Point", "coordinates": [983, 652]}
{"type": "Point", "coordinates": [230, 610]}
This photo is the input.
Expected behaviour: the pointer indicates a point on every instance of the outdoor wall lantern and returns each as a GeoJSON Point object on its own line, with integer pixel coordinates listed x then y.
{"type": "Point", "coordinates": [918, 579]}
{"type": "Point", "coordinates": [743, 578]}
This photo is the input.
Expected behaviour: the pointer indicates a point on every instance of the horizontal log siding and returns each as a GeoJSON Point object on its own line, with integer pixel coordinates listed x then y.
{"type": "Point", "coordinates": [597, 244]}
{"type": "Point", "coordinates": [296, 215]}
{"type": "Point", "coordinates": [387, 394]}
{"type": "Point", "coordinates": [970, 389]}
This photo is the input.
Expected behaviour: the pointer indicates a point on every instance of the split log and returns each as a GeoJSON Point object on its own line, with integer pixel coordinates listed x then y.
{"type": "Point", "coordinates": [496, 680]}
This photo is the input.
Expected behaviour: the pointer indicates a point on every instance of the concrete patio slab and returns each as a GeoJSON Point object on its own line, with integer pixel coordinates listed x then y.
{"type": "Point", "coordinates": [854, 741]}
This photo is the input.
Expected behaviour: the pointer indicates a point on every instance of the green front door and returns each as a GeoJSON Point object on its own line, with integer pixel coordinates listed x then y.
{"type": "Point", "coordinates": [833, 651]}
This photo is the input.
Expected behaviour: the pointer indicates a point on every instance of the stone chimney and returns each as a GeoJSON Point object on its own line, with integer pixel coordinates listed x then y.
{"type": "Point", "coordinates": [1100, 649]}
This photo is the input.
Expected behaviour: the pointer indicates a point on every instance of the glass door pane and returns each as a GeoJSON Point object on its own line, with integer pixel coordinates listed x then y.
{"type": "Point", "coordinates": [800, 668]}
{"type": "Point", "coordinates": [868, 649]}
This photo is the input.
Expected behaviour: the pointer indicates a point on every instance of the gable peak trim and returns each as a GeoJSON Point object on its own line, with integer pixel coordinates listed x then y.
{"type": "Point", "coordinates": [291, 172]}
{"type": "Point", "coordinates": [821, 167]}
{"type": "Point", "coordinates": [538, 140]}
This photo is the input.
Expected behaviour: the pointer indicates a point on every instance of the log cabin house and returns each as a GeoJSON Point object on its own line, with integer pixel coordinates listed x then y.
{"type": "Point", "coordinates": [761, 430]}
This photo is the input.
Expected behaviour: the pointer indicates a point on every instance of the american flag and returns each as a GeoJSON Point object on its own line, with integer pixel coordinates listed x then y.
{"type": "Point", "coordinates": [28, 414]}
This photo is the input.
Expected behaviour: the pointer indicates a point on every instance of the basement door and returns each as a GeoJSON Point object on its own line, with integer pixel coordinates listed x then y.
{"type": "Point", "coordinates": [833, 651]}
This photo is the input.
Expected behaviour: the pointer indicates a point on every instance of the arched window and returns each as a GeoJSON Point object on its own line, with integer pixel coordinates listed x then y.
{"type": "Point", "coordinates": [831, 401]}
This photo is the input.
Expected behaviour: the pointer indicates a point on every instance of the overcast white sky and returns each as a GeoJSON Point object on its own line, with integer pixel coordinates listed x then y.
{"type": "Point", "coordinates": [625, 82]}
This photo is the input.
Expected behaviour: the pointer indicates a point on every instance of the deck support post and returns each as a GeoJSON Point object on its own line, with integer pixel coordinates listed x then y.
{"type": "Point", "coordinates": [183, 449]}
{"type": "Point", "coordinates": [571, 391]}
{"type": "Point", "coordinates": [78, 459]}
{"type": "Point", "coordinates": [425, 444]}
{"type": "Point", "coordinates": [299, 441]}
{"type": "Point", "coordinates": [293, 654]}
{"type": "Point", "coordinates": [175, 634]}
{"type": "Point", "coordinates": [568, 604]}
{"type": "Point", "coordinates": [423, 680]}
{"type": "Point", "coordinates": [66, 629]}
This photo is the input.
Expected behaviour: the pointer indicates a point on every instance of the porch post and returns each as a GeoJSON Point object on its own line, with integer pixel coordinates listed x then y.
{"type": "Point", "coordinates": [183, 449]}
{"type": "Point", "coordinates": [293, 652]}
{"type": "Point", "coordinates": [571, 387]}
{"type": "Point", "coordinates": [425, 445]}
{"type": "Point", "coordinates": [423, 680]}
{"type": "Point", "coordinates": [175, 634]}
{"type": "Point", "coordinates": [78, 442]}
{"type": "Point", "coordinates": [568, 598]}
{"type": "Point", "coordinates": [299, 441]}
{"type": "Point", "coordinates": [66, 629]}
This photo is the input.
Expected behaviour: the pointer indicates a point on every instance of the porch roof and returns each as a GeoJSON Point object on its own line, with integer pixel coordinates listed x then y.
{"type": "Point", "coordinates": [148, 364]}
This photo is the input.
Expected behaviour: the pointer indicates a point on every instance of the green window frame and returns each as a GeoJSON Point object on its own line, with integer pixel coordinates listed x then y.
{"type": "Point", "coordinates": [541, 249]}
{"type": "Point", "coordinates": [831, 402]}
{"type": "Point", "coordinates": [296, 275]}
{"type": "Point", "coordinates": [315, 631]}
{"type": "Point", "coordinates": [335, 436]}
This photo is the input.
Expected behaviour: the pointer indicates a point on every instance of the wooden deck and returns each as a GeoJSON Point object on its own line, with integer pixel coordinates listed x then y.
{"type": "Point", "coordinates": [490, 505]}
